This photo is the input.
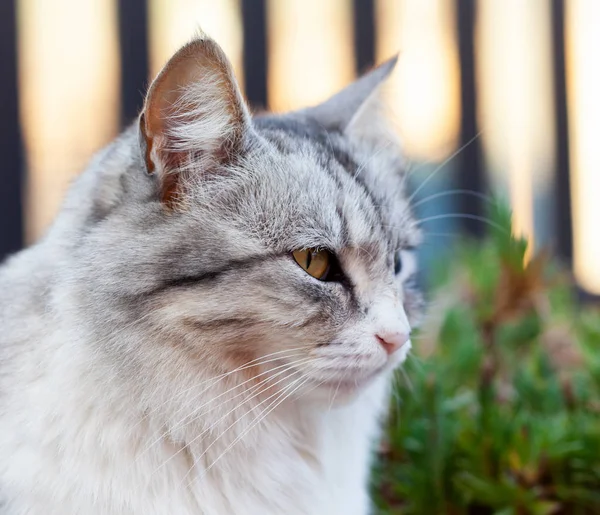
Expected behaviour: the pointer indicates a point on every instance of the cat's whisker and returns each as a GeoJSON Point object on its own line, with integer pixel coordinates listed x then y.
{"type": "Point", "coordinates": [335, 394]}
{"type": "Point", "coordinates": [293, 363]}
{"type": "Point", "coordinates": [195, 415]}
{"type": "Point", "coordinates": [215, 423]}
{"type": "Point", "coordinates": [279, 394]}
{"type": "Point", "coordinates": [413, 168]}
{"type": "Point", "coordinates": [441, 166]}
{"type": "Point", "coordinates": [397, 398]}
{"type": "Point", "coordinates": [463, 215]}
{"type": "Point", "coordinates": [213, 380]}
{"type": "Point", "coordinates": [302, 381]}
{"type": "Point", "coordinates": [363, 249]}
{"type": "Point", "coordinates": [417, 360]}
{"type": "Point", "coordinates": [440, 234]}
{"type": "Point", "coordinates": [453, 215]}
{"type": "Point", "coordinates": [407, 379]}
{"type": "Point", "coordinates": [447, 193]}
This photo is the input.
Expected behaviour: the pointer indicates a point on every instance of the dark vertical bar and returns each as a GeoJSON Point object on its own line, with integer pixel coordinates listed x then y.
{"type": "Point", "coordinates": [364, 34]}
{"type": "Point", "coordinates": [11, 151]}
{"type": "Point", "coordinates": [470, 171]}
{"type": "Point", "coordinates": [562, 186]}
{"type": "Point", "coordinates": [133, 39]}
{"type": "Point", "coordinates": [254, 16]}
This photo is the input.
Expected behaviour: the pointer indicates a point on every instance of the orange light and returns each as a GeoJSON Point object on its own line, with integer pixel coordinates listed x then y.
{"type": "Point", "coordinates": [310, 51]}
{"type": "Point", "coordinates": [174, 22]}
{"type": "Point", "coordinates": [583, 81]}
{"type": "Point", "coordinates": [69, 86]}
{"type": "Point", "coordinates": [515, 109]}
{"type": "Point", "coordinates": [424, 91]}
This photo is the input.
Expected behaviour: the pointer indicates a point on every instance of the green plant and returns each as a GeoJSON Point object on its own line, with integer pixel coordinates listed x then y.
{"type": "Point", "coordinates": [498, 412]}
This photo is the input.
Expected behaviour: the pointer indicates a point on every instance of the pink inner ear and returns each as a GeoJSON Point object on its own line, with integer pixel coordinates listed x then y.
{"type": "Point", "coordinates": [193, 110]}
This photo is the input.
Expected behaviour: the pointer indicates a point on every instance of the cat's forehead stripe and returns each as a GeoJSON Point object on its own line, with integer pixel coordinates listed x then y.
{"type": "Point", "coordinates": [285, 132]}
{"type": "Point", "coordinates": [365, 215]}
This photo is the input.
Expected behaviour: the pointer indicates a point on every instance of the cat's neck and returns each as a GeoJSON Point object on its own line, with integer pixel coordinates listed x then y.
{"type": "Point", "coordinates": [314, 453]}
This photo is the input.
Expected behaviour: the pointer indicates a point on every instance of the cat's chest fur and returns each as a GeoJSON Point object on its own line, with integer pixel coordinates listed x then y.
{"type": "Point", "coordinates": [82, 456]}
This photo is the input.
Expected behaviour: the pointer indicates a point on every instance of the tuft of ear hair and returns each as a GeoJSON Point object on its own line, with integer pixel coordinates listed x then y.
{"type": "Point", "coordinates": [358, 110]}
{"type": "Point", "coordinates": [194, 116]}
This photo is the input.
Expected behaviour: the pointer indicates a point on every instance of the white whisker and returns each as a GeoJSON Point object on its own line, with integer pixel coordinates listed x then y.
{"type": "Point", "coordinates": [439, 234]}
{"type": "Point", "coordinates": [407, 379]}
{"type": "Point", "coordinates": [219, 378]}
{"type": "Point", "coordinates": [464, 215]}
{"type": "Point", "coordinates": [334, 394]}
{"type": "Point", "coordinates": [447, 193]}
{"type": "Point", "coordinates": [257, 421]}
{"type": "Point", "coordinates": [216, 422]}
{"type": "Point", "coordinates": [194, 415]}
{"type": "Point", "coordinates": [432, 174]}
{"type": "Point", "coordinates": [213, 380]}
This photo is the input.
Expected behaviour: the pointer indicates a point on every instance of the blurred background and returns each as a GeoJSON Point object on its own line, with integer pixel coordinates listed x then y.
{"type": "Point", "coordinates": [490, 96]}
{"type": "Point", "coordinates": [496, 412]}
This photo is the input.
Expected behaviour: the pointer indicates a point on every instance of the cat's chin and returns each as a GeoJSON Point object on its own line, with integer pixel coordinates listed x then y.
{"type": "Point", "coordinates": [341, 391]}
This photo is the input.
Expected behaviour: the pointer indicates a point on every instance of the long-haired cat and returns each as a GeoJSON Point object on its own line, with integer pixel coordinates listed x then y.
{"type": "Point", "coordinates": [211, 324]}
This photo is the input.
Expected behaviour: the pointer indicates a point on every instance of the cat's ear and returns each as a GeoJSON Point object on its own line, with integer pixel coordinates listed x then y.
{"type": "Point", "coordinates": [194, 117]}
{"type": "Point", "coordinates": [357, 110]}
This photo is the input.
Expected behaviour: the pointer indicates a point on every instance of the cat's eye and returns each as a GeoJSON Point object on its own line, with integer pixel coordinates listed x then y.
{"type": "Point", "coordinates": [405, 263]}
{"type": "Point", "coordinates": [316, 262]}
{"type": "Point", "coordinates": [397, 262]}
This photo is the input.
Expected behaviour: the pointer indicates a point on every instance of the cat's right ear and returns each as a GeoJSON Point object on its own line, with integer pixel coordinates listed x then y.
{"type": "Point", "coordinates": [194, 117]}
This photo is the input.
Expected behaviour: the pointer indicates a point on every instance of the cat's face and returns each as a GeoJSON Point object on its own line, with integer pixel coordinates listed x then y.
{"type": "Point", "coordinates": [250, 295]}
{"type": "Point", "coordinates": [282, 241]}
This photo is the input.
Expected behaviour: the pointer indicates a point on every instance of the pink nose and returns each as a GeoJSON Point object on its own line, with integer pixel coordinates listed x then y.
{"type": "Point", "coordinates": [392, 341]}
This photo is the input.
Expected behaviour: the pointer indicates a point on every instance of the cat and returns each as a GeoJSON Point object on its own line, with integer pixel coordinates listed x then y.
{"type": "Point", "coordinates": [211, 324]}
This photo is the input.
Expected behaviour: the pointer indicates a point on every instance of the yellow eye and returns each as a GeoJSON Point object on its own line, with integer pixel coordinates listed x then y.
{"type": "Point", "coordinates": [314, 261]}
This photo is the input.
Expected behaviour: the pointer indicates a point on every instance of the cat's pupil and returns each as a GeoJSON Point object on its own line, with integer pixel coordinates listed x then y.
{"type": "Point", "coordinates": [308, 259]}
{"type": "Point", "coordinates": [397, 263]}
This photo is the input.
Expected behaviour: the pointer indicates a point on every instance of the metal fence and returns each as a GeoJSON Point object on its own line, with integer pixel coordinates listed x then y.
{"type": "Point", "coordinates": [134, 51]}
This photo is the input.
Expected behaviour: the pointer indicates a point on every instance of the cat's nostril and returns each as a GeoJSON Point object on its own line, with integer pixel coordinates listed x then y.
{"type": "Point", "coordinates": [392, 341]}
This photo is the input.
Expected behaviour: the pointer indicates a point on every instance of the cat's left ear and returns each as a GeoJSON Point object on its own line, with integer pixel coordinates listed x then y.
{"type": "Point", "coordinates": [357, 110]}
{"type": "Point", "coordinates": [194, 117]}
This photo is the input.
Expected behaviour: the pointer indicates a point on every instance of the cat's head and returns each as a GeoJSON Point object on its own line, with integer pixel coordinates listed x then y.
{"type": "Point", "coordinates": [281, 241]}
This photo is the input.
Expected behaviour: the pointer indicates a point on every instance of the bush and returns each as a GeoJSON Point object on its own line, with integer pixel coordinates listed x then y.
{"type": "Point", "coordinates": [498, 412]}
